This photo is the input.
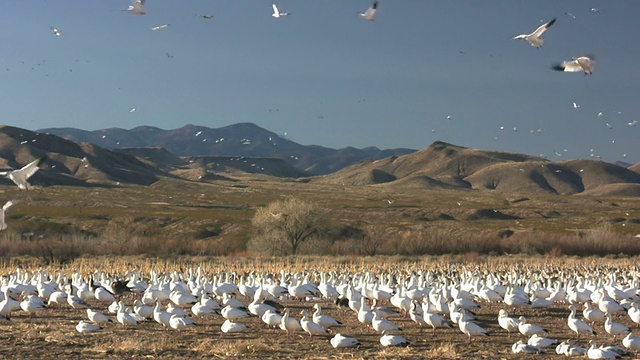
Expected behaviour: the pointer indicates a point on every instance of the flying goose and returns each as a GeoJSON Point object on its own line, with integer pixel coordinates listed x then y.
{"type": "Point", "coordinates": [580, 63]}
{"type": "Point", "coordinates": [534, 38]}
{"type": "Point", "coordinates": [371, 12]}
{"type": "Point", "coordinates": [20, 176]}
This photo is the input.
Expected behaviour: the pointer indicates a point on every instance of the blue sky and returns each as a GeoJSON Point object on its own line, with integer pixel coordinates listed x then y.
{"type": "Point", "coordinates": [329, 77]}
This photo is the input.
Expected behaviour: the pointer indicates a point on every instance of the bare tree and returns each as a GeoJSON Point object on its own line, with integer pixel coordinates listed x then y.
{"type": "Point", "coordinates": [282, 226]}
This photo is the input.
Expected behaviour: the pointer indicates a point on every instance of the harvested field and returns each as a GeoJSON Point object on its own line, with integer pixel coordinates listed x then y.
{"type": "Point", "coordinates": [51, 333]}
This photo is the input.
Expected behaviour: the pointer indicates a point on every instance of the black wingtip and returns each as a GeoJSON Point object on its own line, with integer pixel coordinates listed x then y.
{"type": "Point", "coordinates": [553, 21]}
{"type": "Point", "coordinates": [557, 67]}
{"type": "Point", "coordinates": [375, 5]}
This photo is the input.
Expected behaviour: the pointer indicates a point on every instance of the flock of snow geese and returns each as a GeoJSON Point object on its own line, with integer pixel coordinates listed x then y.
{"type": "Point", "coordinates": [437, 299]}
{"type": "Point", "coordinates": [576, 64]}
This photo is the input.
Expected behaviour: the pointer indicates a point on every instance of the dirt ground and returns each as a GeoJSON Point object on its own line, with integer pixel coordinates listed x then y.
{"type": "Point", "coordinates": [52, 335]}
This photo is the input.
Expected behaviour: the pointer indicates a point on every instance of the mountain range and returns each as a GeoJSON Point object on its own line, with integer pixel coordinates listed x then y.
{"type": "Point", "coordinates": [238, 140]}
{"type": "Point", "coordinates": [438, 166]}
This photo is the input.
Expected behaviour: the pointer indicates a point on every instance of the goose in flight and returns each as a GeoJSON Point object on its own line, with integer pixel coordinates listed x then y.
{"type": "Point", "coordinates": [276, 13]}
{"type": "Point", "coordinates": [5, 207]}
{"type": "Point", "coordinates": [534, 38]}
{"type": "Point", "coordinates": [580, 63]}
{"type": "Point", "coordinates": [20, 176]}
{"type": "Point", "coordinates": [136, 7]}
{"type": "Point", "coordinates": [371, 12]}
{"type": "Point", "coordinates": [56, 31]}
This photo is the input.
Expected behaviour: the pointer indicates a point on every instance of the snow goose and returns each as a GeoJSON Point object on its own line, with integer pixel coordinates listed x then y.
{"type": "Point", "coordinates": [339, 341]}
{"type": "Point", "coordinates": [327, 289]}
{"type": "Point", "coordinates": [289, 324]}
{"type": "Point", "coordinates": [182, 298]}
{"type": "Point", "coordinates": [435, 320]}
{"type": "Point", "coordinates": [136, 7]}
{"type": "Point", "coordinates": [125, 318]}
{"type": "Point", "coordinates": [401, 301]}
{"type": "Point", "coordinates": [229, 326]}
{"type": "Point", "coordinates": [104, 295]}
{"type": "Point", "coordinates": [160, 316]}
{"type": "Point", "coordinates": [20, 176]}
{"type": "Point", "coordinates": [538, 303]}
{"type": "Point", "coordinates": [145, 311]}
{"type": "Point", "coordinates": [577, 325]}
{"type": "Point", "coordinates": [371, 12]}
{"type": "Point", "coordinates": [508, 323]}
{"type": "Point", "coordinates": [179, 323]}
{"type": "Point", "coordinates": [580, 63]}
{"type": "Point", "coordinates": [85, 327]}
{"type": "Point", "coordinates": [569, 348]}
{"type": "Point", "coordinates": [200, 310]}
{"type": "Point", "coordinates": [529, 329]}
{"type": "Point", "coordinates": [113, 307]}
{"type": "Point", "coordinates": [534, 38]}
{"type": "Point", "coordinates": [173, 310]}
{"type": "Point", "coordinates": [311, 327]}
{"type": "Point", "coordinates": [470, 329]}
{"type": "Point", "coordinates": [3, 210]}
{"type": "Point", "coordinates": [541, 342]}
{"type": "Point", "coordinates": [31, 304]}
{"type": "Point", "coordinates": [595, 352]}
{"type": "Point", "coordinates": [233, 314]}
{"type": "Point", "coordinates": [258, 308]}
{"type": "Point", "coordinates": [271, 318]}
{"type": "Point", "coordinates": [631, 342]}
{"type": "Point", "coordinates": [592, 314]}
{"type": "Point", "coordinates": [97, 317]}
{"type": "Point", "coordinates": [8, 304]}
{"type": "Point", "coordinates": [57, 297]}
{"type": "Point", "coordinates": [379, 324]}
{"type": "Point", "coordinates": [210, 303]}
{"type": "Point", "coordinates": [514, 299]}
{"type": "Point", "coordinates": [614, 328]}
{"type": "Point", "coordinates": [521, 348]}
{"type": "Point", "coordinates": [227, 300]}
{"type": "Point", "coordinates": [634, 313]}
{"type": "Point", "coordinates": [393, 340]}
{"type": "Point", "coordinates": [416, 315]}
{"type": "Point", "coordinates": [323, 320]}
{"type": "Point", "coordinates": [277, 13]}
{"type": "Point", "coordinates": [365, 315]}
{"type": "Point", "coordinates": [73, 300]}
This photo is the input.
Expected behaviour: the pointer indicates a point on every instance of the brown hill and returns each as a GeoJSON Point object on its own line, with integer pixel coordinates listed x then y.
{"type": "Point", "coordinates": [635, 168]}
{"type": "Point", "coordinates": [439, 165]}
{"type": "Point", "coordinates": [444, 165]}
{"type": "Point", "coordinates": [70, 163]}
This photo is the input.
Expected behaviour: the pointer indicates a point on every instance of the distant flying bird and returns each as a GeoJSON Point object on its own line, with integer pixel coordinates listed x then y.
{"type": "Point", "coordinates": [5, 207]}
{"type": "Point", "coordinates": [276, 13]}
{"type": "Point", "coordinates": [136, 7]}
{"type": "Point", "coordinates": [570, 14]}
{"type": "Point", "coordinates": [160, 27]}
{"type": "Point", "coordinates": [208, 17]}
{"type": "Point", "coordinates": [580, 63]}
{"type": "Point", "coordinates": [575, 105]}
{"type": "Point", "coordinates": [20, 176]}
{"type": "Point", "coordinates": [56, 31]}
{"type": "Point", "coordinates": [534, 38]}
{"type": "Point", "coordinates": [371, 12]}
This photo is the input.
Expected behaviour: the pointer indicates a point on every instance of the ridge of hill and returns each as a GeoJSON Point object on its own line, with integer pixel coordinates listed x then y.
{"type": "Point", "coordinates": [241, 139]}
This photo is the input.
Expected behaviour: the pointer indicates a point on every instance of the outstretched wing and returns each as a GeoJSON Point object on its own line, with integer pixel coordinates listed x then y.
{"type": "Point", "coordinates": [540, 30]}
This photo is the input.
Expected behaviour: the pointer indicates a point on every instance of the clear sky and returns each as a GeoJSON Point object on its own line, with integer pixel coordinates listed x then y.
{"type": "Point", "coordinates": [329, 77]}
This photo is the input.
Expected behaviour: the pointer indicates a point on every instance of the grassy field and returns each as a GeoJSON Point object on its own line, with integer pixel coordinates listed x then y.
{"type": "Point", "coordinates": [214, 218]}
